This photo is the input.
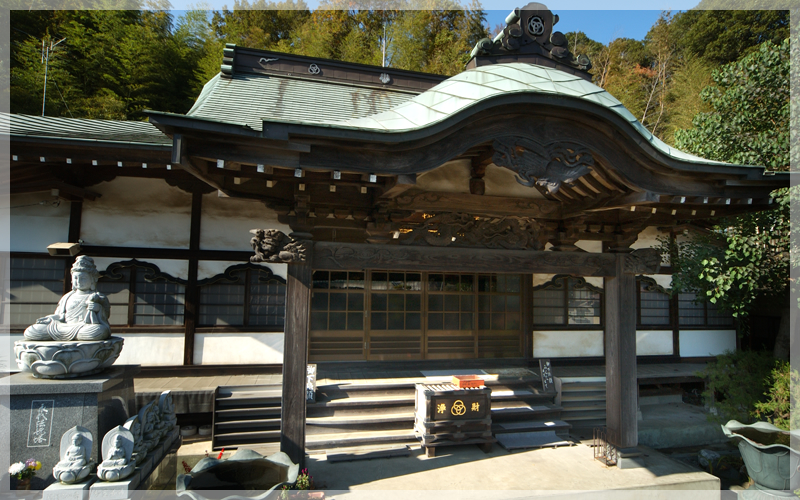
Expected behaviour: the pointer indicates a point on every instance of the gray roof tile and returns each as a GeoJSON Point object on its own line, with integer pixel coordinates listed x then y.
{"type": "Point", "coordinates": [128, 132]}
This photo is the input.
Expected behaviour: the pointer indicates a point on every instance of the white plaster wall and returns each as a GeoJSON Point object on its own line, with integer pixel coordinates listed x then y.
{"type": "Point", "coordinates": [663, 280]}
{"type": "Point", "coordinates": [541, 279]}
{"type": "Point", "coordinates": [209, 268]}
{"type": "Point", "coordinates": [238, 348]}
{"type": "Point", "coordinates": [649, 239]}
{"type": "Point", "coordinates": [501, 181]}
{"type": "Point", "coordinates": [151, 349]}
{"type": "Point", "coordinates": [35, 226]}
{"type": "Point", "coordinates": [136, 212]}
{"type": "Point", "coordinates": [706, 342]}
{"type": "Point", "coordinates": [590, 246]}
{"type": "Point", "coordinates": [653, 342]}
{"type": "Point", "coordinates": [226, 222]}
{"type": "Point", "coordinates": [452, 177]}
{"type": "Point", "coordinates": [175, 268]}
{"type": "Point", "coordinates": [567, 343]}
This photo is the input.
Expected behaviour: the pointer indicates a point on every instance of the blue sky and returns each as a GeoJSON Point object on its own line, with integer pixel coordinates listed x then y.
{"type": "Point", "coordinates": [599, 25]}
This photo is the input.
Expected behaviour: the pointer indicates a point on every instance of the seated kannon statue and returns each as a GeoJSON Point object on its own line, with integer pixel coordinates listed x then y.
{"type": "Point", "coordinates": [74, 465]}
{"type": "Point", "coordinates": [81, 314]}
{"type": "Point", "coordinates": [117, 449]}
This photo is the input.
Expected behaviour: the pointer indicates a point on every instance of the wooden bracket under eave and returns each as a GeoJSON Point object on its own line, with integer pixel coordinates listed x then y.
{"type": "Point", "coordinates": [400, 185]}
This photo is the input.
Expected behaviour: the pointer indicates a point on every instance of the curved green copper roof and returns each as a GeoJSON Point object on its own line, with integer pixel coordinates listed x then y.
{"type": "Point", "coordinates": [479, 84]}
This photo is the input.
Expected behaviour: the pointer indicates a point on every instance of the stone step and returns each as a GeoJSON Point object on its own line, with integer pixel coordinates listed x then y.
{"type": "Point", "coordinates": [557, 426]}
{"type": "Point", "coordinates": [259, 424]}
{"type": "Point", "coordinates": [237, 439]}
{"type": "Point", "coordinates": [359, 438]}
{"type": "Point", "coordinates": [224, 415]}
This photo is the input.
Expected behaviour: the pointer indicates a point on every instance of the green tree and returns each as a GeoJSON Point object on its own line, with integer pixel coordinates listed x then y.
{"type": "Point", "coordinates": [748, 124]}
{"type": "Point", "coordinates": [724, 36]}
{"type": "Point", "coordinates": [749, 121]}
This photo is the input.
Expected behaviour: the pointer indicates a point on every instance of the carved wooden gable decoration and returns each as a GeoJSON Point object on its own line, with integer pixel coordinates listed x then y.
{"type": "Point", "coordinates": [547, 166]}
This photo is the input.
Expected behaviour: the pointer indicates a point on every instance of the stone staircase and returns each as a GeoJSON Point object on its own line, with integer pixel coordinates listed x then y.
{"type": "Point", "coordinates": [247, 415]}
{"type": "Point", "coordinates": [381, 413]}
{"type": "Point", "coordinates": [583, 401]}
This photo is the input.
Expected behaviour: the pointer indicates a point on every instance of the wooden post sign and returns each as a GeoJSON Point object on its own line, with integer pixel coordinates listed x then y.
{"type": "Point", "coordinates": [546, 371]}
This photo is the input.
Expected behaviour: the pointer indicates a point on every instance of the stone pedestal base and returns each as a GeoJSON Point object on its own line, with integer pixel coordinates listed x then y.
{"type": "Point", "coordinates": [59, 491]}
{"type": "Point", "coordinates": [117, 490]}
{"type": "Point", "coordinates": [43, 410]}
{"type": "Point", "coordinates": [66, 359]}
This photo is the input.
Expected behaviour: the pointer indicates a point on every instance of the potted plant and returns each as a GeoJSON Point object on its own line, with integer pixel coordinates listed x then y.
{"type": "Point", "coordinates": [24, 471]}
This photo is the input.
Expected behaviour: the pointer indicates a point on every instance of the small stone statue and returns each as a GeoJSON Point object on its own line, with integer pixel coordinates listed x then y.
{"type": "Point", "coordinates": [167, 410]}
{"type": "Point", "coordinates": [117, 450]}
{"type": "Point", "coordinates": [149, 421]}
{"type": "Point", "coordinates": [81, 314]}
{"type": "Point", "coordinates": [162, 427]}
{"type": "Point", "coordinates": [76, 448]}
{"type": "Point", "coordinates": [134, 425]}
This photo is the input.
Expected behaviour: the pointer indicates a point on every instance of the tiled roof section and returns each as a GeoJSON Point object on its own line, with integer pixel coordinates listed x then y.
{"type": "Point", "coordinates": [472, 86]}
{"type": "Point", "coordinates": [83, 130]}
{"type": "Point", "coordinates": [248, 99]}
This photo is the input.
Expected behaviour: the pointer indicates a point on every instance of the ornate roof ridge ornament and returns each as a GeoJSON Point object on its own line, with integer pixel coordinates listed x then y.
{"type": "Point", "coordinates": [546, 165]}
{"type": "Point", "coordinates": [529, 30]}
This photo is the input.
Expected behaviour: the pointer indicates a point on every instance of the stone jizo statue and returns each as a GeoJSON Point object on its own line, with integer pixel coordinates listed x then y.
{"type": "Point", "coordinates": [167, 408]}
{"type": "Point", "coordinates": [81, 314]}
{"type": "Point", "coordinates": [117, 450]}
{"type": "Point", "coordinates": [76, 448]}
{"type": "Point", "coordinates": [134, 425]}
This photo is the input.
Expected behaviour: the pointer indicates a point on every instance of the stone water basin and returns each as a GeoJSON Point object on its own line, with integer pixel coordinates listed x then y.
{"type": "Point", "coordinates": [245, 475]}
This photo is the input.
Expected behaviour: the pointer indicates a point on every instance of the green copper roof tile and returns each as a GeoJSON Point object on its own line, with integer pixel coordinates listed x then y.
{"type": "Point", "coordinates": [452, 105]}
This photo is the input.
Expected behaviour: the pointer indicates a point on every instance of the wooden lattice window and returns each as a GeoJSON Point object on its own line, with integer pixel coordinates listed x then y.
{"type": "Point", "coordinates": [567, 301]}
{"type": "Point", "coordinates": [654, 304]}
{"type": "Point", "coordinates": [337, 302]}
{"type": "Point", "coordinates": [36, 285]}
{"type": "Point", "coordinates": [396, 301]}
{"type": "Point", "coordinates": [243, 296]}
{"type": "Point", "coordinates": [499, 302]}
{"type": "Point", "coordinates": [694, 313]}
{"type": "Point", "coordinates": [140, 294]}
{"type": "Point", "coordinates": [451, 302]}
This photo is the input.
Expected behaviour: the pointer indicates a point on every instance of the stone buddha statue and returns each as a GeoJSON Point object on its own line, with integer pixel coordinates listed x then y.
{"type": "Point", "coordinates": [149, 421]}
{"type": "Point", "coordinates": [139, 449]}
{"type": "Point", "coordinates": [117, 449]}
{"type": "Point", "coordinates": [167, 408]}
{"type": "Point", "coordinates": [81, 314]}
{"type": "Point", "coordinates": [74, 465]}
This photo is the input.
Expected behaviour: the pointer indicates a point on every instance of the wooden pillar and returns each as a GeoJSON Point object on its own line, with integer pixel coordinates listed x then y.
{"type": "Point", "coordinates": [620, 346]}
{"type": "Point", "coordinates": [527, 316]}
{"type": "Point", "coordinates": [295, 359]}
{"type": "Point", "coordinates": [191, 307]}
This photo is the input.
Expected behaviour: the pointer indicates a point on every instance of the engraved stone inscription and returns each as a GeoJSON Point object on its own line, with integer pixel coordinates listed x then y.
{"type": "Point", "coordinates": [41, 423]}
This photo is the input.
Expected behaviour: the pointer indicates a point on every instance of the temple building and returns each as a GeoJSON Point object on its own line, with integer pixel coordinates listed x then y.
{"type": "Point", "coordinates": [513, 211]}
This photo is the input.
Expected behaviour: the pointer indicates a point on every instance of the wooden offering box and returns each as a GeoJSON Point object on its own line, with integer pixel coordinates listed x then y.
{"type": "Point", "coordinates": [467, 381]}
{"type": "Point", "coordinates": [446, 415]}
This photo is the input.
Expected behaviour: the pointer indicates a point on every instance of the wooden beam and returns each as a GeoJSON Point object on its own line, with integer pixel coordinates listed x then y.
{"type": "Point", "coordinates": [620, 353]}
{"type": "Point", "coordinates": [341, 256]}
{"type": "Point", "coordinates": [295, 360]}
{"type": "Point", "coordinates": [477, 205]}
{"type": "Point", "coordinates": [614, 203]}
